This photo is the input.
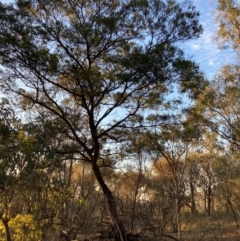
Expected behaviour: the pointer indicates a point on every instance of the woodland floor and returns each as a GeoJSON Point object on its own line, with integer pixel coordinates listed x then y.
{"type": "Point", "coordinates": [217, 227]}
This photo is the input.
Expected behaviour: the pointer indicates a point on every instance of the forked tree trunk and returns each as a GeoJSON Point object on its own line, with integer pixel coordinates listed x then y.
{"type": "Point", "coordinates": [119, 230]}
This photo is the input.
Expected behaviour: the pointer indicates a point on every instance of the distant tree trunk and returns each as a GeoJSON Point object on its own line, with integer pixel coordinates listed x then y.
{"type": "Point", "coordinates": [82, 180]}
{"type": "Point", "coordinates": [177, 209]}
{"type": "Point", "coordinates": [193, 203]}
{"type": "Point", "coordinates": [233, 211]}
{"type": "Point", "coordinates": [135, 201]}
{"type": "Point", "coordinates": [4, 218]}
{"type": "Point", "coordinates": [119, 230]}
{"type": "Point", "coordinates": [209, 196]}
{"type": "Point", "coordinates": [178, 218]}
{"type": "Point", "coordinates": [205, 200]}
{"type": "Point", "coordinates": [7, 230]}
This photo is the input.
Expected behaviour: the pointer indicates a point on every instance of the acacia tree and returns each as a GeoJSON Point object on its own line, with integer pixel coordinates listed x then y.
{"type": "Point", "coordinates": [97, 66]}
{"type": "Point", "coordinates": [174, 152]}
{"type": "Point", "coordinates": [25, 152]}
{"type": "Point", "coordinates": [228, 18]}
{"type": "Point", "coordinates": [227, 191]}
{"type": "Point", "coordinates": [15, 164]}
{"type": "Point", "coordinates": [12, 165]}
{"type": "Point", "coordinates": [219, 103]}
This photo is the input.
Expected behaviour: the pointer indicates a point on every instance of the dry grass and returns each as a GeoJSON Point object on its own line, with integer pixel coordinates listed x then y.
{"type": "Point", "coordinates": [217, 227]}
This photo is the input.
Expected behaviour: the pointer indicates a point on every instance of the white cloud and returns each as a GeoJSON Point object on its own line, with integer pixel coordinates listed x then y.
{"type": "Point", "coordinates": [205, 50]}
{"type": "Point", "coordinates": [210, 63]}
{"type": "Point", "coordinates": [195, 46]}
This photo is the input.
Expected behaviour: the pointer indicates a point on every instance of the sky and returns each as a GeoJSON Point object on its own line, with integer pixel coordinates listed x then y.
{"type": "Point", "coordinates": [204, 50]}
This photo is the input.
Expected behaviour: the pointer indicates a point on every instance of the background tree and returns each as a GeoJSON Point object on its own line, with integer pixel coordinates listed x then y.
{"type": "Point", "coordinates": [227, 17]}
{"type": "Point", "coordinates": [221, 97]}
{"type": "Point", "coordinates": [227, 171]}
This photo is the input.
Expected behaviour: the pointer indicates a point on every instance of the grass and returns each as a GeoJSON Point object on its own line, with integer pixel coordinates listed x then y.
{"type": "Point", "coordinates": [216, 227]}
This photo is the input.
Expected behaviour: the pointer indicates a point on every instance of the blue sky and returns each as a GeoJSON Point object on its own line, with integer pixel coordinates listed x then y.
{"type": "Point", "coordinates": [204, 50]}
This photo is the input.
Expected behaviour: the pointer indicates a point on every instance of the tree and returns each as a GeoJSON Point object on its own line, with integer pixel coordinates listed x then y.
{"type": "Point", "coordinates": [172, 167]}
{"type": "Point", "coordinates": [220, 106]}
{"type": "Point", "coordinates": [228, 18]}
{"type": "Point", "coordinates": [227, 171]}
{"type": "Point", "coordinates": [27, 157]}
{"type": "Point", "coordinates": [193, 171]}
{"type": "Point", "coordinates": [97, 66]}
{"type": "Point", "coordinates": [221, 98]}
{"type": "Point", "coordinates": [12, 161]}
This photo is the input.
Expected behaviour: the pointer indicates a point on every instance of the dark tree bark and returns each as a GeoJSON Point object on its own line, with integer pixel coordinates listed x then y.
{"type": "Point", "coordinates": [119, 230]}
{"type": "Point", "coordinates": [5, 222]}
{"type": "Point", "coordinates": [193, 202]}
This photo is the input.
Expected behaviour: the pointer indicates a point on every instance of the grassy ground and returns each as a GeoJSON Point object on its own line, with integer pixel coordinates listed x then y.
{"type": "Point", "coordinates": [217, 227]}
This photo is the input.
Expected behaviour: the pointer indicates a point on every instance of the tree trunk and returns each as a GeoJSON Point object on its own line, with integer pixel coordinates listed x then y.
{"type": "Point", "coordinates": [193, 203]}
{"type": "Point", "coordinates": [135, 201]}
{"type": "Point", "coordinates": [119, 230]}
{"type": "Point", "coordinates": [205, 200]}
{"type": "Point", "coordinates": [7, 230]}
{"type": "Point", "coordinates": [178, 218]}
{"type": "Point", "coordinates": [209, 196]}
{"type": "Point", "coordinates": [233, 211]}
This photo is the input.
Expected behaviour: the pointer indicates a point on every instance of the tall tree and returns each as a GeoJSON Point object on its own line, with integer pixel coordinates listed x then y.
{"type": "Point", "coordinates": [227, 16]}
{"type": "Point", "coordinates": [222, 97]}
{"type": "Point", "coordinates": [25, 153]}
{"type": "Point", "coordinates": [96, 66]}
